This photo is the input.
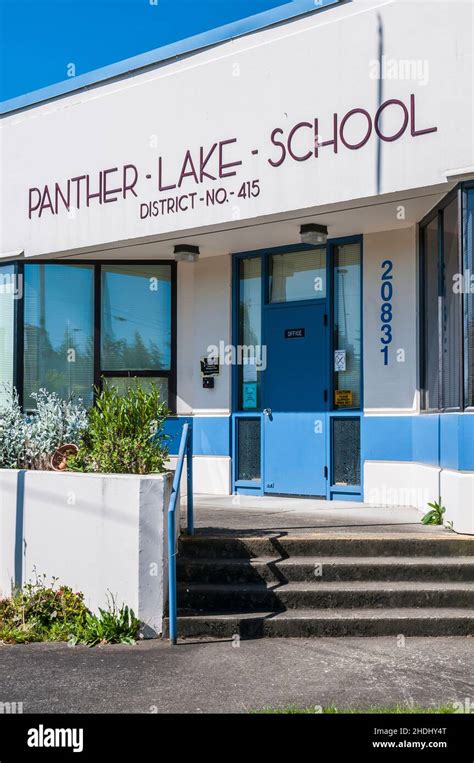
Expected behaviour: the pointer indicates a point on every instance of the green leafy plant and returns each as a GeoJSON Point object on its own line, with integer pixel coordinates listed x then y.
{"type": "Point", "coordinates": [40, 612]}
{"type": "Point", "coordinates": [435, 515]}
{"type": "Point", "coordinates": [13, 429]}
{"type": "Point", "coordinates": [112, 626]}
{"type": "Point", "coordinates": [124, 433]}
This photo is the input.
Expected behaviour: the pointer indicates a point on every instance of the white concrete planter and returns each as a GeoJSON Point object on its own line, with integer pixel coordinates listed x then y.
{"type": "Point", "coordinates": [398, 483]}
{"type": "Point", "coordinates": [98, 533]}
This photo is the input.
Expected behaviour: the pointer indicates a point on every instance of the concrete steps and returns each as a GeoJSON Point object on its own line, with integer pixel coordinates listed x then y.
{"type": "Point", "coordinates": [328, 622]}
{"type": "Point", "coordinates": [326, 585]}
{"type": "Point", "coordinates": [301, 569]}
{"type": "Point", "coordinates": [337, 545]}
{"type": "Point", "coordinates": [347, 595]}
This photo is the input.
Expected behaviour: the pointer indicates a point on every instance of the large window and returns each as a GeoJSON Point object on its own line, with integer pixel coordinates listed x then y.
{"type": "Point", "coordinates": [66, 327]}
{"type": "Point", "coordinates": [431, 294]}
{"type": "Point", "coordinates": [442, 285]}
{"type": "Point", "coordinates": [58, 338]}
{"type": "Point", "coordinates": [451, 324]}
{"type": "Point", "coordinates": [136, 338]}
{"type": "Point", "coordinates": [468, 259]}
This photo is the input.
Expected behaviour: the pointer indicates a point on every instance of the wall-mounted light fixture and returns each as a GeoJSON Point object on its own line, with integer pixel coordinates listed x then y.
{"type": "Point", "coordinates": [312, 233]}
{"type": "Point", "coordinates": [186, 253]}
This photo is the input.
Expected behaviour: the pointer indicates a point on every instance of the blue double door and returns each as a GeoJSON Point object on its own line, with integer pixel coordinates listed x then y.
{"type": "Point", "coordinates": [295, 393]}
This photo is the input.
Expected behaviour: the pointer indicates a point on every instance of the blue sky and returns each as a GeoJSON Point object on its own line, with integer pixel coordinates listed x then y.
{"type": "Point", "coordinates": [40, 38]}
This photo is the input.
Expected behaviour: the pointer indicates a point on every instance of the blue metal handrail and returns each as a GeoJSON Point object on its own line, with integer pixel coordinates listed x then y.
{"type": "Point", "coordinates": [185, 449]}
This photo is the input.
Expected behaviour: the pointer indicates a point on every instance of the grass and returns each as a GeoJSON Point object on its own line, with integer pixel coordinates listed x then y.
{"type": "Point", "coordinates": [333, 710]}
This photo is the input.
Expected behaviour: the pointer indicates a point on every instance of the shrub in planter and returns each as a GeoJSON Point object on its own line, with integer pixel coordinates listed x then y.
{"type": "Point", "coordinates": [124, 433]}
{"type": "Point", "coordinates": [54, 423]}
{"type": "Point", "coordinates": [13, 431]}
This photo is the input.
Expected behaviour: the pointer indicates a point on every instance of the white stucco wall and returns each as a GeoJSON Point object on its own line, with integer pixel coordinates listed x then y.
{"type": "Point", "coordinates": [241, 92]}
{"type": "Point", "coordinates": [99, 534]}
{"type": "Point", "coordinates": [204, 319]}
{"type": "Point", "coordinates": [391, 387]}
{"type": "Point", "coordinates": [457, 490]}
{"type": "Point", "coordinates": [398, 483]}
{"type": "Point", "coordinates": [212, 475]}
{"type": "Point", "coordinates": [401, 483]}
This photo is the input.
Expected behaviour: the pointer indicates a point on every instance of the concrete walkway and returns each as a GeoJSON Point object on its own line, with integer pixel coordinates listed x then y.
{"type": "Point", "coordinates": [246, 515]}
{"type": "Point", "coordinates": [219, 677]}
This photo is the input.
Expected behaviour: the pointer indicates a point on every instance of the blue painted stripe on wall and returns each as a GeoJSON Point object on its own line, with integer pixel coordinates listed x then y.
{"type": "Point", "coordinates": [387, 438]}
{"type": "Point", "coordinates": [466, 442]}
{"type": "Point", "coordinates": [211, 434]}
{"type": "Point", "coordinates": [449, 436]}
{"type": "Point", "coordinates": [425, 439]}
{"type": "Point", "coordinates": [445, 439]}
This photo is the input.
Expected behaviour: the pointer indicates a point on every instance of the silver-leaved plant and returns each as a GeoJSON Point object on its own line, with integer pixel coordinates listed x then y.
{"type": "Point", "coordinates": [13, 429]}
{"type": "Point", "coordinates": [29, 441]}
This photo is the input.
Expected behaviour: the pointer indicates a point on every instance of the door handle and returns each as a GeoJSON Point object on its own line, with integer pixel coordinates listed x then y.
{"type": "Point", "coordinates": [267, 411]}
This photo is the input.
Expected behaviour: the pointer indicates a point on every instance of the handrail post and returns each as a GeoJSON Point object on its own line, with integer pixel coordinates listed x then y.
{"type": "Point", "coordinates": [189, 465]}
{"type": "Point", "coordinates": [185, 449]}
{"type": "Point", "coordinates": [172, 597]}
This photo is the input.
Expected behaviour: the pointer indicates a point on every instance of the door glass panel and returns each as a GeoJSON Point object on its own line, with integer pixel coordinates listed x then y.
{"type": "Point", "coordinates": [136, 317]}
{"type": "Point", "coordinates": [347, 323]}
{"type": "Point", "coordinates": [346, 451]}
{"type": "Point", "coordinates": [250, 333]}
{"type": "Point", "coordinates": [123, 383]}
{"type": "Point", "coordinates": [297, 276]}
{"type": "Point", "coordinates": [59, 313]}
{"type": "Point", "coordinates": [248, 449]}
{"type": "Point", "coordinates": [10, 288]}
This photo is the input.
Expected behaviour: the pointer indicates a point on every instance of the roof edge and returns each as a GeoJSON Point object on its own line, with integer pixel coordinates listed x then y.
{"type": "Point", "coordinates": [289, 9]}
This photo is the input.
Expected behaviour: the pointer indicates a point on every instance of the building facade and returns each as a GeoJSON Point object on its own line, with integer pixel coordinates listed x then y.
{"type": "Point", "coordinates": [277, 229]}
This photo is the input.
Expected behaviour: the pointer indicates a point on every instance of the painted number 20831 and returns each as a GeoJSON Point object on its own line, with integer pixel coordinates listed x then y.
{"type": "Point", "coordinates": [386, 308]}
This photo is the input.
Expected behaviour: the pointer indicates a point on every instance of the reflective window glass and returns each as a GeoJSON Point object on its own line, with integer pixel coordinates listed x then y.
{"type": "Point", "coordinates": [347, 323]}
{"type": "Point", "coordinates": [136, 317]}
{"type": "Point", "coordinates": [297, 276]}
{"type": "Point", "coordinates": [58, 331]}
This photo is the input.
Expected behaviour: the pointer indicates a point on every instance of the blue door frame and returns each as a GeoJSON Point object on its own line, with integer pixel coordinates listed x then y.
{"type": "Point", "coordinates": [332, 491]}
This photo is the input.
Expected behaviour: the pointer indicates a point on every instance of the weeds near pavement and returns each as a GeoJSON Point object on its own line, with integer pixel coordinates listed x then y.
{"type": "Point", "coordinates": [40, 612]}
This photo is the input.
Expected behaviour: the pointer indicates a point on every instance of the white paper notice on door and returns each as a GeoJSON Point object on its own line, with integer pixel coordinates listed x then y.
{"type": "Point", "coordinates": [339, 360]}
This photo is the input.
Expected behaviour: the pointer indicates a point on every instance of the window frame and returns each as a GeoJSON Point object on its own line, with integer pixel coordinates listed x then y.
{"type": "Point", "coordinates": [333, 244]}
{"type": "Point", "coordinates": [98, 373]}
{"type": "Point", "coordinates": [437, 212]}
{"type": "Point", "coordinates": [464, 190]}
